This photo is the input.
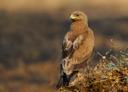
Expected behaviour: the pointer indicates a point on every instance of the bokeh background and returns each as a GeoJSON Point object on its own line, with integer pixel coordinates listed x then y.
{"type": "Point", "coordinates": [31, 33]}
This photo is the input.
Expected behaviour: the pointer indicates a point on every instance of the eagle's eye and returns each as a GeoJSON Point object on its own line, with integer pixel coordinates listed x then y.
{"type": "Point", "coordinates": [77, 15]}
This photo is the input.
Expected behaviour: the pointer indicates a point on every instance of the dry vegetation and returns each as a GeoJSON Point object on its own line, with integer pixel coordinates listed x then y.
{"type": "Point", "coordinates": [110, 74]}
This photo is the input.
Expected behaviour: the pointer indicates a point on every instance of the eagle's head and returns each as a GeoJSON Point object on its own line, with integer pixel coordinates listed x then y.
{"type": "Point", "coordinates": [78, 16]}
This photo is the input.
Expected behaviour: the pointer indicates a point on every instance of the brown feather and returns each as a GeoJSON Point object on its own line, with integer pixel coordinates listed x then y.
{"type": "Point", "coordinates": [77, 46]}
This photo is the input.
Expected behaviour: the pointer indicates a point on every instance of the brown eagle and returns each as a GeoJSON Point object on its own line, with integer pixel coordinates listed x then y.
{"type": "Point", "coordinates": [77, 47]}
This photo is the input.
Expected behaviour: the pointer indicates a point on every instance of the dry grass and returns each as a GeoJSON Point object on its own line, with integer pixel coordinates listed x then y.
{"type": "Point", "coordinates": [29, 78]}
{"type": "Point", "coordinates": [109, 75]}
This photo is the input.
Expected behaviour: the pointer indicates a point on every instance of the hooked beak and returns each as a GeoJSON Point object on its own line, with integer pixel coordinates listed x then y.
{"type": "Point", "coordinates": [72, 17]}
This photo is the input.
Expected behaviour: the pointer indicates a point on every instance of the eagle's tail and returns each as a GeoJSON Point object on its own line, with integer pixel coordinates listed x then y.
{"type": "Point", "coordinates": [63, 81]}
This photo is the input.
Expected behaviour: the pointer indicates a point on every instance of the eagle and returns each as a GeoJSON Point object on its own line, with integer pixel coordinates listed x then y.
{"type": "Point", "coordinates": [77, 47]}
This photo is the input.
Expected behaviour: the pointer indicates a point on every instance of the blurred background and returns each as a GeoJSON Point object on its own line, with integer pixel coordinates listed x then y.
{"type": "Point", "coordinates": [31, 34]}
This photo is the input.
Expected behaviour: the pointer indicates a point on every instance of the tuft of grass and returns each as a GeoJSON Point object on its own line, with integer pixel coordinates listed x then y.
{"type": "Point", "coordinates": [110, 74]}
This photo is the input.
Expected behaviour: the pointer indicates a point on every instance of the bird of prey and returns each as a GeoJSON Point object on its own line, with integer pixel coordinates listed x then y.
{"type": "Point", "coordinates": [77, 47]}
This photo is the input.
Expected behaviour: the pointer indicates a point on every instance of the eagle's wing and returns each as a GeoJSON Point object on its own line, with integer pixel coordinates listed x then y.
{"type": "Point", "coordinates": [67, 45]}
{"type": "Point", "coordinates": [70, 44]}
